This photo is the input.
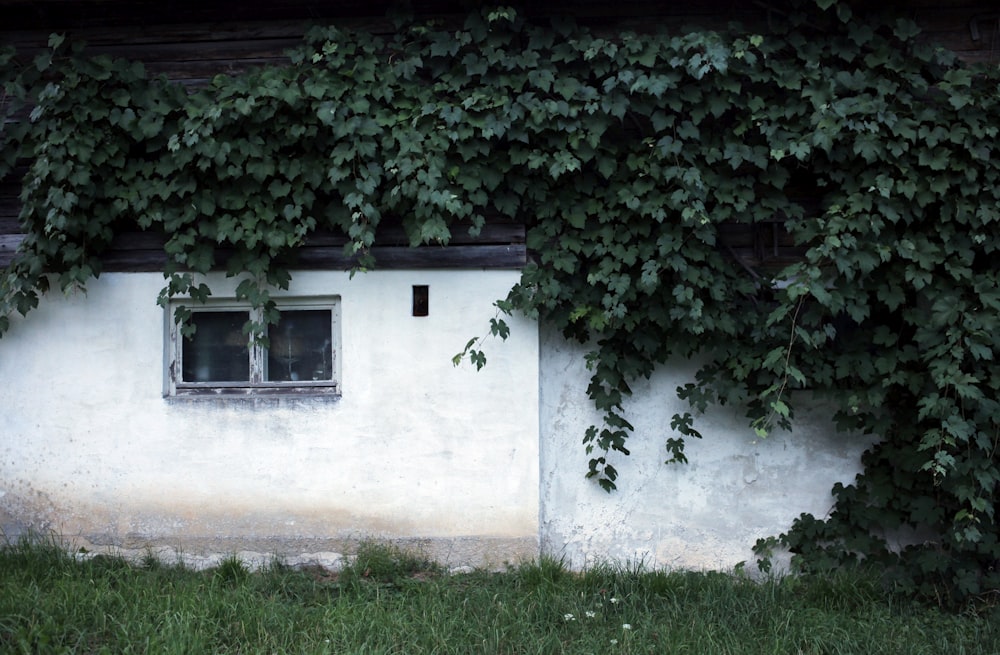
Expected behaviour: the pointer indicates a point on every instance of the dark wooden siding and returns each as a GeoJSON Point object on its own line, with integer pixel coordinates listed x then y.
{"type": "Point", "coordinates": [191, 54]}
{"type": "Point", "coordinates": [189, 42]}
{"type": "Point", "coordinates": [498, 245]}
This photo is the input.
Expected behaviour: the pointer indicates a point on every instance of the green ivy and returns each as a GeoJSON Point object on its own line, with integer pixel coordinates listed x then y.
{"type": "Point", "coordinates": [623, 154]}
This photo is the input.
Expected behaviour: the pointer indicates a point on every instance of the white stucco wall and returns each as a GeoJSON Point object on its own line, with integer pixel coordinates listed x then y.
{"type": "Point", "coordinates": [472, 467]}
{"type": "Point", "coordinates": [415, 449]}
{"type": "Point", "coordinates": [705, 514]}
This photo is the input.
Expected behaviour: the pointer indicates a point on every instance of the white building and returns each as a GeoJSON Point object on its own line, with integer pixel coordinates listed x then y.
{"type": "Point", "coordinates": [114, 436]}
{"type": "Point", "coordinates": [101, 447]}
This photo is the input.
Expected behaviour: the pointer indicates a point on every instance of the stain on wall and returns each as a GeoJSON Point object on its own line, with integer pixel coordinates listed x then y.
{"type": "Point", "coordinates": [706, 514]}
{"type": "Point", "coordinates": [415, 449]}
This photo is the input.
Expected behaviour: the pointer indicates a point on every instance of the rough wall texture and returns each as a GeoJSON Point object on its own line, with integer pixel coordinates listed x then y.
{"type": "Point", "coordinates": [706, 514]}
{"type": "Point", "coordinates": [415, 450]}
{"type": "Point", "coordinates": [454, 462]}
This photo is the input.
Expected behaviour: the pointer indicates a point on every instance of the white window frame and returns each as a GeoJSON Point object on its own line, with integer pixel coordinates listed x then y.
{"type": "Point", "coordinates": [257, 385]}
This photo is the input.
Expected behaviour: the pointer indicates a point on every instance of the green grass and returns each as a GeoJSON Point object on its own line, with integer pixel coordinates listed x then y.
{"type": "Point", "coordinates": [390, 601]}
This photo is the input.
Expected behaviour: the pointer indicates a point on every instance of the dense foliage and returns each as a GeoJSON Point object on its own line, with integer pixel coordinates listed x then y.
{"type": "Point", "coordinates": [623, 155]}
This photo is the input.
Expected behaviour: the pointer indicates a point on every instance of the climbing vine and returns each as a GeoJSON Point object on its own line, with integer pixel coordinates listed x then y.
{"type": "Point", "coordinates": [623, 154]}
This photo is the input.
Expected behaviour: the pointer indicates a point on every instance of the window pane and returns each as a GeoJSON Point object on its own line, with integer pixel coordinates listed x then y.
{"type": "Point", "coordinates": [218, 350]}
{"type": "Point", "coordinates": [301, 346]}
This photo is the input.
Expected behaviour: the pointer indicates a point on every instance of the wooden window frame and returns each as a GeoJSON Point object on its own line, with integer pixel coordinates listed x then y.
{"type": "Point", "coordinates": [257, 385]}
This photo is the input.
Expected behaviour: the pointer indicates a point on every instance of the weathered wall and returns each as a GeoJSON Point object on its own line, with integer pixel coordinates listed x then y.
{"type": "Point", "coordinates": [442, 458]}
{"type": "Point", "coordinates": [416, 449]}
{"type": "Point", "coordinates": [706, 514]}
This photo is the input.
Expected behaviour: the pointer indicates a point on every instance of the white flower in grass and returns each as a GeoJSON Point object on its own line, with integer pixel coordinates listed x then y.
{"type": "Point", "coordinates": [590, 614]}
{"type": "Point", "coordinates": [626, 626]}
{"type": "Point", "coordinates": [614, 641]}
{"type": "Point", "coordinates": [569, 617]}
{"type": "Point", "coordinates": [615, 601]}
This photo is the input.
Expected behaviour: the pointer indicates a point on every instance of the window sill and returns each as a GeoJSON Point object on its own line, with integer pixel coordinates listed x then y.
{"type": "Point", "coordinates": [254, 396]}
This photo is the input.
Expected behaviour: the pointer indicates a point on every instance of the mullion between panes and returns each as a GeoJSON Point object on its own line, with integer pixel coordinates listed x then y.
{"type": "Point", "coordinates": [258, 359]}
{"type": "Point", "coordinates": [258, 353]}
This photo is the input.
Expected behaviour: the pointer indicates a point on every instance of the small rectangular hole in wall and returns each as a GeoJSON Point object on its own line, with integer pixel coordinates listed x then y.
{"type": "Point", "coordinates": [421, 303]}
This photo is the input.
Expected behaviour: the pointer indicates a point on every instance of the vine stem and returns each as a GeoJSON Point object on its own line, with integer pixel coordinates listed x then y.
{"type": "Point", "coordinates": [788, 357]}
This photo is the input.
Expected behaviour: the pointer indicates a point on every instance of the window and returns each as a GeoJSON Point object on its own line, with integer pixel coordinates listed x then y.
{"type": "Point", "coordinates": [300, 355]}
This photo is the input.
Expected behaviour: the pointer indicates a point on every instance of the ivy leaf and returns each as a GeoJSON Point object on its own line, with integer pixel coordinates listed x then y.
{"type": "Point", "coordinates": [905, 29]}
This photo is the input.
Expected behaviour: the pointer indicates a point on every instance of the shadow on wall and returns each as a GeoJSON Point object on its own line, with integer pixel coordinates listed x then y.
{"type": "Point", "coordinates": [706, 514]}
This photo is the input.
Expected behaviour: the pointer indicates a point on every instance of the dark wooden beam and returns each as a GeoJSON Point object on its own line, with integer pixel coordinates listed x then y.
{"type": "Point", "coordinates": [498, 245]}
